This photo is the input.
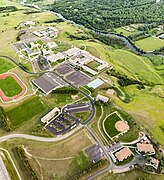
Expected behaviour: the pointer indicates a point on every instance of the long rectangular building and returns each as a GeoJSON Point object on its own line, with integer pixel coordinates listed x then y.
{"type": "Point", "coordinates": [47, 83]}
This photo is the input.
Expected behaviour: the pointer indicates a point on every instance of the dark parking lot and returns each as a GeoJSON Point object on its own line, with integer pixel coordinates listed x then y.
{"type": "Point", "coordinates": [62, 124]}
{"type": "Point", "coordinates": [74, 108]}
{"type": "Point", "coordinates": [94, 153]}
{"type": "Point", "coordinates": [78, 78]}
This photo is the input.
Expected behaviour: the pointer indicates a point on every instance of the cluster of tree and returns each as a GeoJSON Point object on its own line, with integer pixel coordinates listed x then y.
{"type": "Point", "coordinates": [105, 15]}
{"type": "Point", "coordinates": [19, 35]}
{"type": "Point", "coordinates": [33, 1]}
{"type": "Point", "coordinates": [8, 9]}
{"type": "Point", "coordinates": [4, 120]}
{"type": "Point", "coordinates": [65, 90]}
{"type": "Point", "coordinates": [31, 12]}
{"type": "Point", "coordinates": [161, 167]}
{"type": "Point", "coordinates": [111, 41]}
{"type": "Point", "coordinates": [160, 50]}
{"type": "Point", "coordinates": [123, 80]}
{"type": "Point", "coordinates": [81, 165]}
{"type": "Point", "coordinates": [156, 61]}
{"type": "Point", "coordinates": [24, 66]}
{"type": "Point", "coordinates": [138, 36]}
{"type": "Point", "coordinates": [21, 153]}
{"type": "Point", "coordinates": [148, 27]}
{"type": "Point", "coordinates": [78, 36]}
{"type": "Point", "coordinates": [58, 20]}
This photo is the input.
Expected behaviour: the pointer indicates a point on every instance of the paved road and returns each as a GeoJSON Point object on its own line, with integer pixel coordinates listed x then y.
{"type": "Point", "coordinates": [100, 144]}
{"type": "Point", "coordinates": [3, 171]}
{"type": "Point", "coordinates": [11, 160]}
{"type": "Point", "coordinates": [37, 138]}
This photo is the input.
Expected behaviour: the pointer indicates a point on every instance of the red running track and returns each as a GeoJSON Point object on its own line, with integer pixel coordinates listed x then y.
{"type": "Point", "coordinates": [17, 79]}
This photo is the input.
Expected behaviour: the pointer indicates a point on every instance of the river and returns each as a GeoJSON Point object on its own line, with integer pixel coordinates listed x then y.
{"type": "Point", "coordinates": [127, 42]}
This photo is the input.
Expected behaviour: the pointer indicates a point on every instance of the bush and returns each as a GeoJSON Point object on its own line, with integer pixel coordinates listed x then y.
{"type": "Point", "coordinates": [5, 121]}
{"type": "Point", "coordinates": [65, 90]}
{"type": "Point", "coordinates": [23, 157]}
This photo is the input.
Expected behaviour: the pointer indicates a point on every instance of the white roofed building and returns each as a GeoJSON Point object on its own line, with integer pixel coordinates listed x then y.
{"type": "Point", "coordinates": [102, 98]}
{"type": "Point", "coordinates": [55, 57]}
{"type": "Point", "coordinates": [91, 71]}
{"type": "Point", "coordinates": [50, 115]}
{"type": "Point", "coordinates": [51, 45]}
{"type": "Point", "coordinates": [73, 51]}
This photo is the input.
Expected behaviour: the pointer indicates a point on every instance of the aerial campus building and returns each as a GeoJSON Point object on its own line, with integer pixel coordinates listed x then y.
{"type": "Point", "coordinates": [48, 82]}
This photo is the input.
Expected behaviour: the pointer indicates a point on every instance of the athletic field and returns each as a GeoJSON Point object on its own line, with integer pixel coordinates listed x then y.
{"type": "Point", "coordinates": [109, 125]}
{"type": "Point", "coordinates": [11, 87]}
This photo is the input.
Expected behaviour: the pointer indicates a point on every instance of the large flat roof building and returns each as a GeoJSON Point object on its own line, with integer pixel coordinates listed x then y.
{"type": "Point", "coordinates": [73, 51]}
{"type": "Point", "coordinates": [147, 148]}
{"type": "Point", "coordinates": [95, 84]}
{"type": "Point", "coordinates": [91, 71]}
{"type": "Point", "coordinates": [123, 154]}
{"type": "Point", "coordinates": [46, 83]}
{"type": "Point", "coordinates": [55, 57]}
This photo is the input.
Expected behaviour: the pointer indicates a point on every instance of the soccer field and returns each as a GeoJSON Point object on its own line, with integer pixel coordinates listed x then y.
{"type": "Point", "coordinates": [10, 87]}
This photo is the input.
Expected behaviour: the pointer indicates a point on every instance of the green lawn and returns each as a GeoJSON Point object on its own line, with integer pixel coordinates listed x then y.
{"type": "Point", "coordinates": [25, 111]}
{"type": "Point", "coordinates": [125, 32]}
{"type": "Point", "coordinates": [10, 87]}
{"type": "Point", "coordinates": [134, 66]}
{"type": "Point", "coordinates": [146, 108]}
{"type": "Point", "coordinates": [150, 43]}
{"type": "Point", "coordinates": [92, 50]}
{"type": "Point", "coordinates": [83, 116]}
{"type": "Point", "coordinates": [93, 65]}
{"type": "Point", "coordinates": [109, 124]}
{"type": "Point", "coordinates": [5, 65]}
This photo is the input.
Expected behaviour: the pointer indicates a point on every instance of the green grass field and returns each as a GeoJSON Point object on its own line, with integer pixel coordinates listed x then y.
{"type": "Point", "coordinates": [146, 108]}
{"type": "Point", "coordinates": [135, 66]}
{"type": "Point", "coordinates": [25, 111]}
{"type": "Point", "coordinates": [5, 65]}
{"type": "Point", "coordinates": [109, 124]}
{"type": "Point", "coordinates": [150, 43]}
{"type": "Point", "coordinates": [92, 50]}
{"type": "Point", "coordinates": [10, 87]}
{"type": "Point", "coordinates": [125, 32]}
{"type": "Point", "coordinates": [93, 65]}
